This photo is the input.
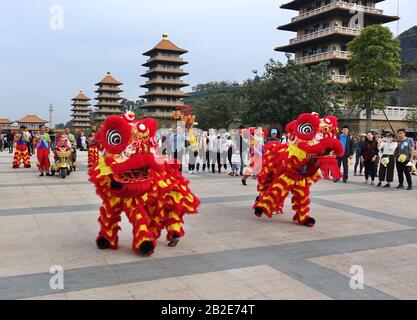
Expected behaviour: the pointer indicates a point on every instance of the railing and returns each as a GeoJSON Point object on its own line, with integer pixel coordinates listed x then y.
{"type": "Point", "coordinates": [340, 78]}
{"type": "Point", "coordinates": [178, 92]}
{"type": "Point", "coordinates": [325, 32]}
{"type": "Point", "coordinates": [393, 113]}
{"type": "Point", "coordinates": [160, 114]}
{"type": "Point", "coordinates": [108, 96]}
{"type": "Point", "coordinates": [162, 69]}
{"type": "Point", "coordinates": [165, 58]}
{"type": "Point", "coordinates": [163, 103]}
{"type": "Point", "coordinates": [108, 88]}
{"type": "Point", "coordinates": [323, 56]}
{"type": "Point", "coordinates": [337, 4]}
{"type": "Point", "coordinates": [161, 80]}
{"type": "Point", "coordinates": [110, 104]}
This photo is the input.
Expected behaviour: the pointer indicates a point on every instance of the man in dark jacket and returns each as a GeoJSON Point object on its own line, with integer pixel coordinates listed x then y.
{"type": "Point", "coordinates": [347, 143]}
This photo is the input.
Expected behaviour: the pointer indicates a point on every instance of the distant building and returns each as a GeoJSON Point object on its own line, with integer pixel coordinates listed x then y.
{"type": "Point", "coordinates": [31, 121]}
{"type": "Point", "coordinates": [6, 124]}
{"type": "Point", "coordinates": [81, 112]}
{"type": "Point", "coordinates": [109, 99]}
{"type": "Point", "coordinates": [324, 28]}
{"type": "Point", "coordinates": [164, 85]}
{"type": "Point", "coordinates": [356, 120]}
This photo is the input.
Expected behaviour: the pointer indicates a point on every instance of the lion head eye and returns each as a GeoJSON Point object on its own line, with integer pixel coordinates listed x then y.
{"type": "Point", "coordinates": [305, 128]}
{"type": "Point", "coordinates": [114, 138]}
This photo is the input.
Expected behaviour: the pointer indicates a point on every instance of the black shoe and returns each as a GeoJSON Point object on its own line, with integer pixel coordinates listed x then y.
{"type": "Point", "coordinates": [387, 185]}
{"type": "Point", "coordinates": [258, 212]}
{"type": "Point", "coordinates": [400, 186]}
{"type": "Point", "coordinates": [102, 243]}
{"type": "Point", "coordinates": [41, 175]}
{"type": "Point", "coordinates": [409, 188]}
{"type": "Point", "coordinates": [174, 241]}
{"type": "Point", "coordinates": [379, 184]}
{"type": "Point", "coordinates": [244, 182]}
{"type": "Point", "coordinates": [344, 180]}
{"type": "Point", "coordinates": [147, 248]}
{"type": "Point", "coordinates": [48, 174]}
{"type": "Point", "coordinates": [310, 222]}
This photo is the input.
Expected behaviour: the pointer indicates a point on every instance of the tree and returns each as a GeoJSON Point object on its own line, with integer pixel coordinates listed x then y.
{"type": "Point", "coordinates": [285, 91]}
{"type": "Point", "coordinates": [374, 68]}
{"type": "Point", "coordinates": [216, 110]}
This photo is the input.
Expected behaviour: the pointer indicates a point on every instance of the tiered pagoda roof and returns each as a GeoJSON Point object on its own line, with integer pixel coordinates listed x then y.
{"type": "Point", "coordinates": [109, 98]}
{"type": "Point", "coordinates": [164, 83]}
{"type": "Point", "coordinates": [81, 112]}
{"type": "Point", "coordinates": [324, 28]}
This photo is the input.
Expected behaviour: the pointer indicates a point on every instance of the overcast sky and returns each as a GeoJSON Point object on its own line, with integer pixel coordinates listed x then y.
{"type": "Point", "coordinates": [226, 39]}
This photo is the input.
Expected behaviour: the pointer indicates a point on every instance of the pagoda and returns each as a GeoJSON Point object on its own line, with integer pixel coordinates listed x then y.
{"type": "Point", "coordinates": [109, 99]}
{"type": "Point", "coordinates": [325, 27]}
{"type": "Point", "coordinates": [164, 83]}
{"type": "Point", "coordinates": [81, 112]}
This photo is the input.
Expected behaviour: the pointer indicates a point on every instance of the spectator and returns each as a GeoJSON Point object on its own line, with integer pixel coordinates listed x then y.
{"type": "Point", "coordinates": [178, 146]}
{"type": "Point", "coordinates": [235, 161]}
{"type": "Point", "coordinates": [203, 153]}
{"type": "Point", "coordinates": [387, 163]}
{"type": "Point", "coordinates": [243, 147]}
{"type": "Point", "coordinates": [369, 157]}
{"type": "Point", "coordinates": [273, 137]}
{"type": "Point", "coordinates": [358, 149]}
{"type": "Point", "coordinates": [284, 138]}
{"type": "Point", "coordinates": [229, 145]}
{"type": "Point", "coordinates": [10, 141]}
{"type": "Point", "coordinates": [404, 155]}
{"type": "Point", "coordinates": [212, 150]}
{"type": "Point", "coordinates": [347, 143]}
{"type": "Point", "coordinates": [83, 142]}
{"type": "Point", "coordinates": [192, 150]}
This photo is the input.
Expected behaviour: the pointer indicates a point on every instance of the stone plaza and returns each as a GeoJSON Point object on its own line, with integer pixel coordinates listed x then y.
{"type": "Point", "coordinates": [227, 252]}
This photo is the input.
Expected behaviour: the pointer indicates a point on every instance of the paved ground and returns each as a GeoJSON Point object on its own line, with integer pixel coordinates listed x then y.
{"type": "Point", "coordinates": [227, 253]}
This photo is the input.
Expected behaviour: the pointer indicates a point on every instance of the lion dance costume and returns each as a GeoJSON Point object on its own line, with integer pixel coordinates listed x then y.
{"type": "Point", "coordinates": [131, 178]}
{"type": "Point", "coordinates": [21, 154]}
{"type": "Point", "coordinates": [293, 167]}
{"type": "Point", "coordinates": [92, 152]}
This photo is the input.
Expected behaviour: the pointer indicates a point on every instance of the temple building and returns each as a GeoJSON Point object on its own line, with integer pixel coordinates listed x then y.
{"type": "Point", "coordinates": [6, 124]}
{"type": "Point", "coordinates": [81, 112]}
{"type": "Point", "coordinates": [324, 27]}
{"type": "Point", "coordinates": [31, 121]}
{"type": "Point", "coordinates": [109, 99]}
{"type": "Point", "coordinates": [164, 83]}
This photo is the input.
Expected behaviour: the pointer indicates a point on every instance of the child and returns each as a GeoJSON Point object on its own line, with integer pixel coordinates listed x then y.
{"type": "Point", "coordinates": [235, 162]}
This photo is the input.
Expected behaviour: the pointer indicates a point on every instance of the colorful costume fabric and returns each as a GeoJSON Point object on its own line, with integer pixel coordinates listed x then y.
{"type": "Point", "coordinates": [328, 163]}
{"type": "Point", "coordinates": [292, 168]}
{"type": "Point", "coordinates": [21, 154]}
{"type": "Point", "coordinates": [92, 152]}
{"type": "Point", "coordinates": [131, 178]}
{"type": "Point", "coordinates": [42, 151]}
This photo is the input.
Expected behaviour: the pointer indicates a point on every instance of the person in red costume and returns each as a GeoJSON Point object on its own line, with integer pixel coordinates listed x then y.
{"type": "Point", "coordinates": [131, 178]}
{"type": "Point", "coordinates": [292, 168]}
{"type": "Point", "coordinates": [21, 154]}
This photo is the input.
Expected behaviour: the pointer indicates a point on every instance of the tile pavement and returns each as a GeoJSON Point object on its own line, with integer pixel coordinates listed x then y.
{"type": "Point", "coordinates": [227, 252]}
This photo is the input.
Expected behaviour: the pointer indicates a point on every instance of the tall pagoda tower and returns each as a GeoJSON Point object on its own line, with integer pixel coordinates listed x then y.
{"type": "Point", "coordinates": [164, 83]}
{"type": "Point", "coordinates": [324, 27]}
{"type": "Point", "coordinates": [81, 112]}
{"type": "Point", "coordinates": [109, 99]}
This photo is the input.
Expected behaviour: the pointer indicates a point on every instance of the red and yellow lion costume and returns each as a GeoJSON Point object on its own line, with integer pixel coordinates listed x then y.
{"type": "Point", "coordinates": [293, 167]}
{"type": "Point", "coordinates": [131, 178]}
